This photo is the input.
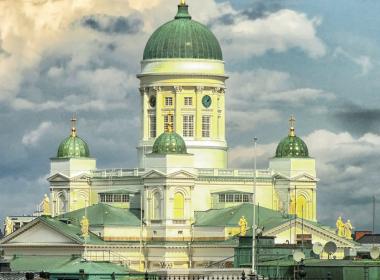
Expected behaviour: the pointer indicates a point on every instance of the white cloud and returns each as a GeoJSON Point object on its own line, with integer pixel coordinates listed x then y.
{"type": "Point", "coordinates": [32, 137]}
{"type": "Point", "coordinates": [364, 62]}
{"type": "Point", "coordinates": [279, 31]}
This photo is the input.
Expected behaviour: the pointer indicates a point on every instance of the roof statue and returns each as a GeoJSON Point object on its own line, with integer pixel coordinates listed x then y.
{"type": "Point", "coordinates": [243, 226]}
{"type": "Point", "coordinates": [46, 206]}
{"type": "Point", "coordinates": [8, 226]}
{"type": "Point", "coordinates": [348, 229]}
{"type": "Point", "coordinates": [340, 227]}
{"type": "Point", "coordinates": [85, 224]}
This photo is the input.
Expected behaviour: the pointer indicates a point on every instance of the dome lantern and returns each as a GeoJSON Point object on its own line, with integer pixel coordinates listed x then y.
{"type": "Point", "coordinates": [292, 146]}
{"type": "Point", "coordinates": [73, 146]}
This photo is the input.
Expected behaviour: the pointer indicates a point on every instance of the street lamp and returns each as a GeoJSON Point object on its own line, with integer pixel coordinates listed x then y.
{"type": "Point", "coordinates": [254, 209]}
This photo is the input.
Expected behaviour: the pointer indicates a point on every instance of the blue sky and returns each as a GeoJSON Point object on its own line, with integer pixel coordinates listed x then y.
{"type": "Point", "coordinates": [317, 60]}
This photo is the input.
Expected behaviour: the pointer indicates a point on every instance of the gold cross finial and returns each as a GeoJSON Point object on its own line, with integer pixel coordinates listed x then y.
{"type": "Point", "coordinates": [292, 123]}
{"type": "Point", "coordinates": [182, 2]}
{"type": "Point", "coordinates": [74, 125]}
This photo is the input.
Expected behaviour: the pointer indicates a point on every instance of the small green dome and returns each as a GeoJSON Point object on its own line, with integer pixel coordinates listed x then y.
{"type": "Point", "coordinates": [73, 146]}
{"type": "Point", "coordinates": [169, 143]}
{"type": "Point", "coordinates": [183, 38]}
{"type": "Point", "coordinates": [292, 147]}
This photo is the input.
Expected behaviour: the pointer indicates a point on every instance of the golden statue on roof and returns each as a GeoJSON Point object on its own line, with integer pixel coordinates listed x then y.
{"type": "Point", "coordinates": [243, 226]}
{"type": "Point", "coordinates": [46, 206]}
{"type": "Point", "coordinates": [348, 229]}
{"type": "Point", "coordinates": [8, 226]}
{"type": "Point", "coordinates": [340, 227]}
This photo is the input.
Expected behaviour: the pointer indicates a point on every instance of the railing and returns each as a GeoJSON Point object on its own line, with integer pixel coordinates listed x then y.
{"type": "Point", "coordinates": [213, 276]}
{"type": "Point", "coordinates": [105, 173]}
{"type": "Point", "coordinates": [106, 256]}
{"type": "Point", "coordinates": [233, 172]}
{"type": "Point", "coordinates": [109, 173]}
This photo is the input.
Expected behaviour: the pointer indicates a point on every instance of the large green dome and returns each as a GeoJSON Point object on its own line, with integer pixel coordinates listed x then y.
{"type": "Point", "coordinates": [169, 143]}
{"type": "Point", "coordinates": [292, 146]}
{"type": "Point", "coordinates": [183, 38]}
{"type": "Point", "coordinates": [73, 146]}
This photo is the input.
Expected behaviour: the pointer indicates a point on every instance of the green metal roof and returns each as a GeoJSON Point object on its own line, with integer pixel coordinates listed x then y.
{"type": "Point", "coordinates": [292, 147]}
{"type": "Point", "coordinates": [73, 147]}
{"type": "Point", "coordinates": [229, 217]}
{"type": "Point", "coordinates": [89, 267]}
{"type": "Point", "coordinates": [105, 215]}
{"type": "Point", "coordinates": [169, 143]}
{"type": "Point", "coordinates": [72, 231]}
{"type": "Point", "coordinates": [63, 264]}
{"type": "Point", "coordinates": [38, 263]}
{"type": "Point", "coordinates": [183, 38]}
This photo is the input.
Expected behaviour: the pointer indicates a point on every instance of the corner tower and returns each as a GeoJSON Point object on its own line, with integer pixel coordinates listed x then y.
{"type": "Point", "coordinates": [295, 176]}
{"type": "Point", "coordinates": [182, 80]}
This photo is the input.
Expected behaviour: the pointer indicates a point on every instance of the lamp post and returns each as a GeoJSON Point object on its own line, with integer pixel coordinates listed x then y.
{"type": "Point", "coordinates": [254, 209]}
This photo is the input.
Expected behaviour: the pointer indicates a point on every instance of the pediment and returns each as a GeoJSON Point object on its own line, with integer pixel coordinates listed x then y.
{"type": "Point", "coordinates": [37, 233]}
{"type": "Point", "coordinates": [304, 177]}
{"type": "Point", "coordinates": [280, 176]}
{"type": "Point", "coordinates": [154, 174]}
{"type": "Point", "coordinates": [182, 174]}
{"type": "Point", "coordinates": [58, 177]}
{"type": "Point", "coordinates": [323, 234]}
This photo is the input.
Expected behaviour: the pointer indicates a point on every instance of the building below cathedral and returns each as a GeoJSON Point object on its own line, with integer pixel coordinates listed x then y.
{"type": "Point", "coordinates": [182, 207]}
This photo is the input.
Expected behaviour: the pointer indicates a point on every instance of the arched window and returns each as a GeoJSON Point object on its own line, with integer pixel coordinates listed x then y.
{"type": "Point", "coordinates": [179, 206]}
{"type": "Point", "coordinates": [156, 215]}
{"type": "Point", "coordinates": [61, 204]}
{"type": "Point", "coordinates": [301, 206]}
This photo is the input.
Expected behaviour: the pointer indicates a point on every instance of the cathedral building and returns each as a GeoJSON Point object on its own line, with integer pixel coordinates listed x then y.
{"type": "Point", "coordinates": [181, 206]}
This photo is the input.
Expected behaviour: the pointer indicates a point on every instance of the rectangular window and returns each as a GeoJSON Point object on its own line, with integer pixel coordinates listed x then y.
{"type": "Point", "coordinates": [109, 198]}
{"type": "Point", "coordinates": [188, 101]}
{"type": "Point", "coordinates": [206, 126]}
{"type": "Point", "coordinates": [117, 198]}
{"type": "Point", "coordinates": [188, 126]}
{"type": "Point", "coordinates": [245, 198]}
{"type": "Point", "coordinates": [125, 197]}
{"type": "Point", "coordinates": [229, 198]}
{"type": "Point", "coordinates": [168, 101]}
{"type": "Point", "coordinates": [102, 198]}
{"type": "Point", "coordinates": [168, 119]}
{"type": "Point", "coordinates": [222, 198]}
{"type": "Point", "coordinates": [152, 126]}
{"type": "Point", "coordinates": [238, 198]}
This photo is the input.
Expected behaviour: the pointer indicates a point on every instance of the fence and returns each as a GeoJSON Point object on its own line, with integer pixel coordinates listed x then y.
{"type": "Point", "coordinates": [242, 276]}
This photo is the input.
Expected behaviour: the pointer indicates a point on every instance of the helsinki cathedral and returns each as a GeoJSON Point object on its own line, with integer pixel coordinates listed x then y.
{"type": "Point", "coordinates": [181, 205]}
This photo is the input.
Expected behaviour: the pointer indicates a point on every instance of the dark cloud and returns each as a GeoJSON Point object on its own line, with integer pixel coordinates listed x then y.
{"type": "Point", "coordinates": [262, 8]}
{"type": "Point", "coordinates": [112, 24]}
{"type": "Point", "coordinates": [258, 9]}
{"type": "Point", "coordinates": [358, 120]}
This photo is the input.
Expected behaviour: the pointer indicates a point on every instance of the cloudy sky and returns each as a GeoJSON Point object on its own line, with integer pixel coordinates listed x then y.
{"type": "Point", "coordinates": [318, 60]}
